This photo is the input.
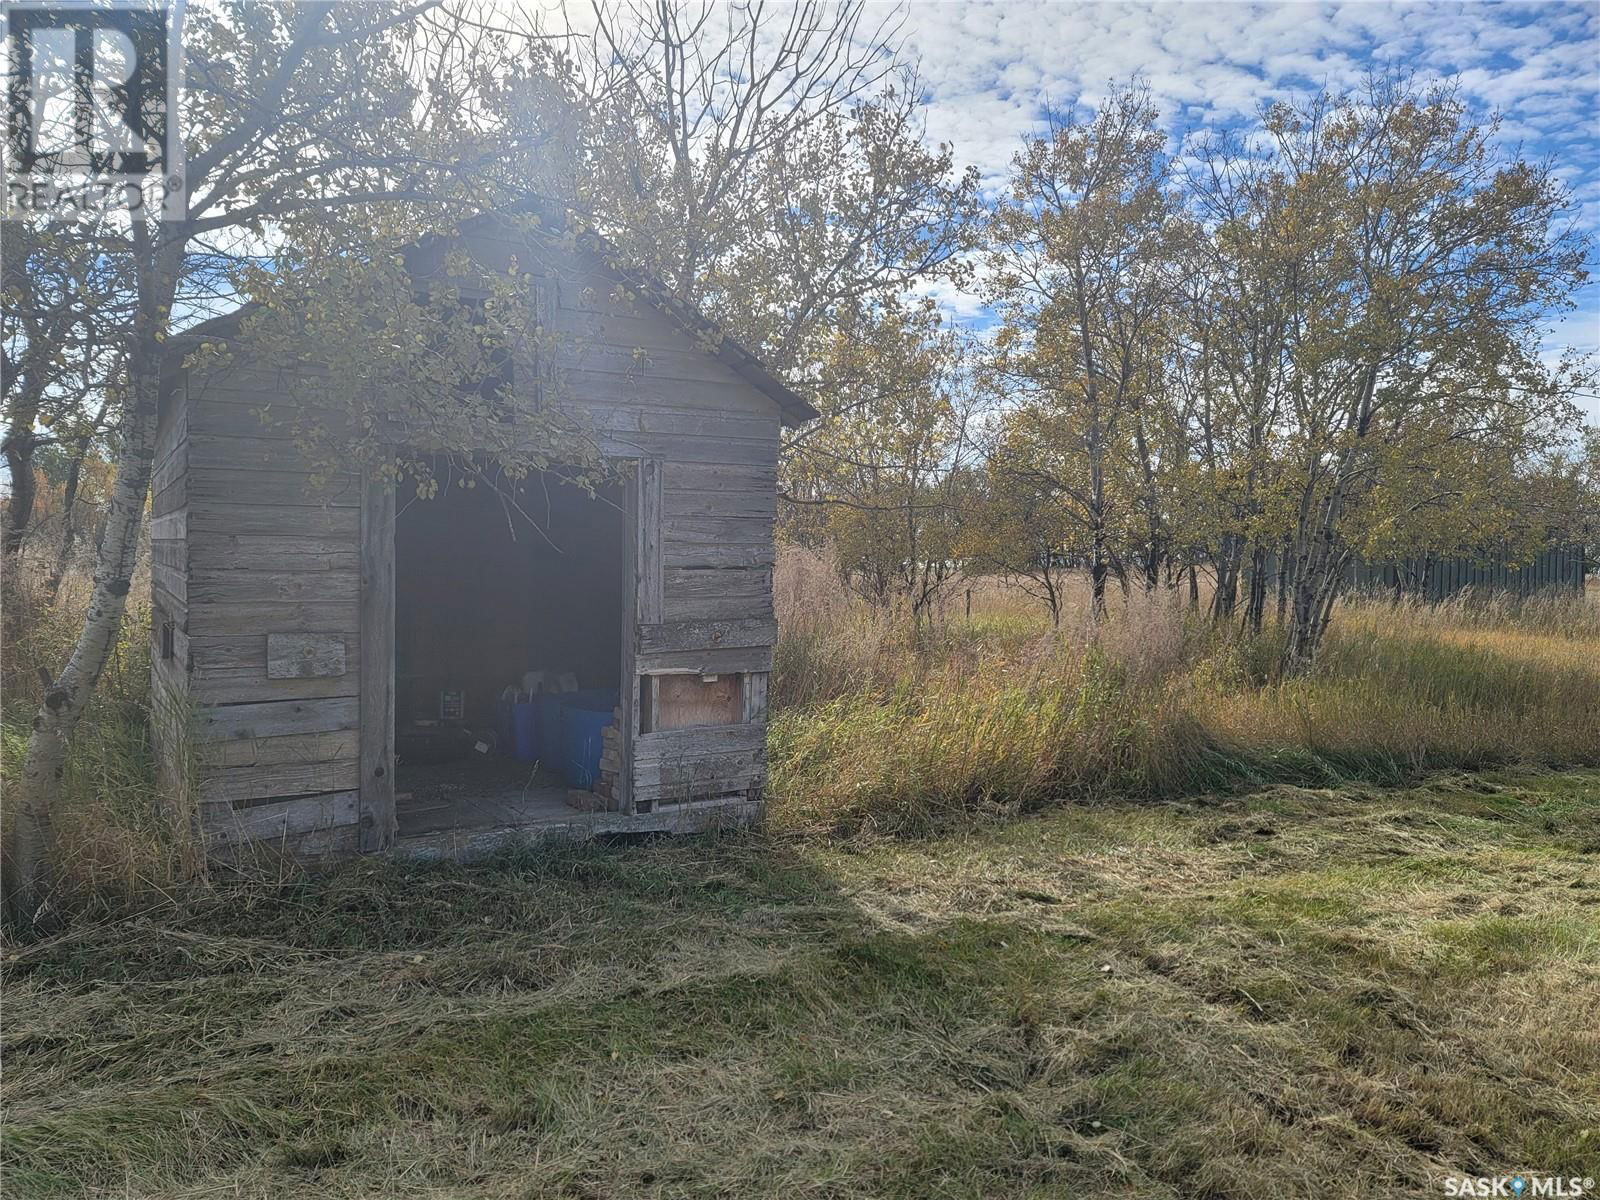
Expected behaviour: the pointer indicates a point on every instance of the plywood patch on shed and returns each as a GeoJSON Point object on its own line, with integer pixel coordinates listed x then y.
{"type": "Point", "coordinates": [684, 701]}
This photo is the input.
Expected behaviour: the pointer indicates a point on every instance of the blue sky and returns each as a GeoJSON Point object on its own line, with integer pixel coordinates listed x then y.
{"type": "Point", "coordinates": [991, 68]}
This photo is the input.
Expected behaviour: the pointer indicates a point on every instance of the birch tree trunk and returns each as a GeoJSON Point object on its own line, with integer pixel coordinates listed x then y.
{"type": "Point", "coordinates": [1256, 601]}
{"type": "Point", "coordinates": [1226, 596]}
{"type": "Point", "coordinates": [66, 697]}
{"type": "Point", "coordinates": [69, 520]}
{"type": "Point", "coordinates": [1099, 567]}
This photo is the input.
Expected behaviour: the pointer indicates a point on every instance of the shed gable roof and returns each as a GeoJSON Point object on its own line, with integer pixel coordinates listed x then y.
{"type": "Point", "coordinates": [707, 335]}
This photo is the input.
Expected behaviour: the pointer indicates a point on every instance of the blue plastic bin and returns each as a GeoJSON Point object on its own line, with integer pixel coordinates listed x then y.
{"type": "Point", "coordinates": [593, 699]}
{"type": "Point", "coordinates": [525, 731]}
{"type": "Point", "coordinates": [584, 739]}
{"type": "Point", "coordinates": [550, 706]}
{"type": "Point", "coordinates": [504, 728]}
{"type": "Point", "coordinates": [585, 714]}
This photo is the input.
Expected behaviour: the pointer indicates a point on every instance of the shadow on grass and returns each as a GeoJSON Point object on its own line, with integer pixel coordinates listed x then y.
{"type": "Point", "coordinates": [1225, 1000]}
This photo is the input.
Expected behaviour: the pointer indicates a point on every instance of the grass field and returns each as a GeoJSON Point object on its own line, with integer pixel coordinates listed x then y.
{"type": "Point", "coordinates": [1293, 993]}
{"type": "Point", "coordinates": [1113, 911]}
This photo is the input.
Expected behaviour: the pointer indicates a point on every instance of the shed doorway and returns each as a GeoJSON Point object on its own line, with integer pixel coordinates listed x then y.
{"type": "Point", "coordinates": [508, 650]}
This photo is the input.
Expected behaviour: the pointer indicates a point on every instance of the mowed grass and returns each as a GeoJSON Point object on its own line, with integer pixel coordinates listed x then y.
{"type": "Point", "coordinates": [1295, 992]}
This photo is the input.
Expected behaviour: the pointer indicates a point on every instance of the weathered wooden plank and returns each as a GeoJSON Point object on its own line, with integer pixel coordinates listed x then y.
{"type": "Point", "coordinates": [173, 526]}
{"type": "Point", "coordinates": [762, 505]}
{"type": "Point", "coordinates": [740, 782]}
{"type": "Point", "coordinates": [171, 498]}
{"type": "Point", "coordinates": [249, 651]}
{"type": "Point", "coordinates": [755, 697]}
{"type": "Point", "coordinates": [718, 477]}
{"type": "Point", "coordinates": [169, 606]}
{"type": "Point", "coordinates": [706, 449]}
{"type": "Point", "coordinates": [649, 567]}
{"type": "Point", "coordinates": [169, 467]}
{"type": "Point", "coordinates": [724, 607]}
{"type": "Point", "coordinates": [169, 737]}
{"type": "Point", "coordinates": [716, 530]}
{"type": "Point", "coordinates": [245, 685]}
{"type": "Point", "coordinates": [237, 618]}
{"type": "Point", "coordinates": [703, 661]}
{"type": "Point", "coordinates": [687, 780]}
{"type": "Point", "coordinates": [208, 584]}
{"type": "Point", "coordinates": [290, 748]}
{"type": "Point", "coordinates": [706, 635]}
{"type": "Point", "coordinates": [273, 552]}
{"type": "Point", "coordinates": [268, 421]}
{"type": "Point", "coordinates": [281, 819]}
{"type": "Point", "coordinates": [720, 555]}
{"type": "Point", "coordinates": [172, 416]}
{"type": "Point", "coordinates": [211, 483]}
{"type": "Point", "coordinates": [693, 583]}
{"type": "Point", "coordinates": [376, 781]}
{"type": "Point", "coordinates": [619, 380]}
{"type": "Point", "coordinates": [180, 639]}
{"type": "Point", "coordinates": [278, 717]}
{"type": "Point", "coordinates": [331, 844]}
{"type": "Point", "coordinates": [167, 674]}
{"type": "Point", "coordinates": [248, 451]}
{"type": "Point", "coordinates": [246, 374]}
{"type": "Point", "coordinates": [170, 553]}
{"type": "Point", "coordinates": [688, 745]}
{"type": "Point", "coordinates": [641, 417]}
{"type": "Point", "coordinates": [305, 655]}
{"type": "Point", "coordinates": [628, 726]}
{"type": "Point", "coordinates": [646, 328]}
{"type": "Point", "coordinates": [171, 580]}
{"type": "Point", "coordinates": [658, 366]}
{"type": "Point", "coordinates": [262, 780]}
{"type": "Point", "coordinates": [306, 520]}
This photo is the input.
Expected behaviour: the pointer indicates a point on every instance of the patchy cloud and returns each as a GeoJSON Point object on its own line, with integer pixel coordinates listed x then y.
{"type": "Point", "coordinates": [992, 69]}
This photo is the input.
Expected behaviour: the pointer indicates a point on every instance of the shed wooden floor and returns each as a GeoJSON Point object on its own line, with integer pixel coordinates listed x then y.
{"type": "Point", "coordinates": [474, 792]}
{"type": "Point", "coordinates": [471, 806]}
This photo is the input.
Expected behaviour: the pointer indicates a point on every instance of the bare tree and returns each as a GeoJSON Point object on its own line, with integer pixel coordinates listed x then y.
{"type": "Point", "coordinates": [767, 161]}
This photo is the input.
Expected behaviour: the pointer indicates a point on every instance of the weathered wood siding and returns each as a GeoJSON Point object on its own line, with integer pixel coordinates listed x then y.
{"type": "Point", "coordinates": [264, 555]}
{"type": "Point", "coordinates": [274, 634]}
{"type": "Point", "coordinates": [707, 445]}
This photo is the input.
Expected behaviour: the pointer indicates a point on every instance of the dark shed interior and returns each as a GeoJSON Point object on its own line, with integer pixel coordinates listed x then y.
{"type": "Point", "coordinates": [503, 589]}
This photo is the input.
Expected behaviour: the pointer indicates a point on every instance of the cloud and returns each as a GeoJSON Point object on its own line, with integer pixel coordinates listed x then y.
{"type": "Point", "coordinates": [993, 69]}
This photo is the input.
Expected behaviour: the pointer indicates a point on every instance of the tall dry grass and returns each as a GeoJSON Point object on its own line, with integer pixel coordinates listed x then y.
{"type": "Point", "coordinates": [881, 726]}
{"type": "Point", "coordinates": [983, 711]}
{"type": "Point", "coordinates": [120, 836]}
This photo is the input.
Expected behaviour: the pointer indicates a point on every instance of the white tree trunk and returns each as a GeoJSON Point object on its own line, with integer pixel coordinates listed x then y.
{"type": "Point", "coordinates": [68, 695]}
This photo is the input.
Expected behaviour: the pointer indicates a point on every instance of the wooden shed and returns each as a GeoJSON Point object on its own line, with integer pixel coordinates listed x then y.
{"type": "Point", "coordinates": [341, 669]}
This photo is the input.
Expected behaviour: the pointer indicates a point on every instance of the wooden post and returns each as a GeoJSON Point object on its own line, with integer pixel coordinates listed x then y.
{"type": "Point", "coordinates": [628, 725]}
{"type": "Point", "coordinates": [376, 737]}
{"type": "Point", "coordinates": [645, 604]}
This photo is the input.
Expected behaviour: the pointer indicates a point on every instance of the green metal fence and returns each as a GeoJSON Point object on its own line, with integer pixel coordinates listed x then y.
{"type": "Point", "coordinates": [1438, 578]}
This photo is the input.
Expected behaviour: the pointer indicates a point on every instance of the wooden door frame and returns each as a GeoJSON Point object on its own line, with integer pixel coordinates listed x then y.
{"type": "Point", "coordinates": [376, 813]}
{"type": "Point", "coordinates": [641, 601]}
{"type": "Point", "coordinates": [641, 604]}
